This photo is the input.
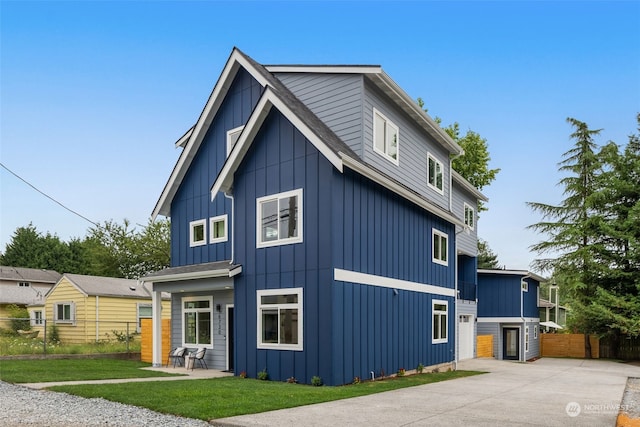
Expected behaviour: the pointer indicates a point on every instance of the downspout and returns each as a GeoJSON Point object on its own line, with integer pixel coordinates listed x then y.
{"type": "Point", "coordinates": [524, 323]}
{"type": "Point", "coordinates": [231, 228]}
{"type": "Point", "coordinates": [455, 302]}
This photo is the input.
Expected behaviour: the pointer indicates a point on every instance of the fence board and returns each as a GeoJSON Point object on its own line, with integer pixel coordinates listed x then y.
{"type": "Point", "coordinates": [146, 350]}
{"type": "Point", "coordinates": [484, 345]}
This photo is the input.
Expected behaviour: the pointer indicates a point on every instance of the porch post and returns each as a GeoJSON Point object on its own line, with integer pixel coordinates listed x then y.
{"type": "Point", "coordinates": [156, 301]}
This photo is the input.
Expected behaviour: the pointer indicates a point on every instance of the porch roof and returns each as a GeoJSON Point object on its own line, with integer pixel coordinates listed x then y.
{"type": "Point", "coordinates": [196, 271]}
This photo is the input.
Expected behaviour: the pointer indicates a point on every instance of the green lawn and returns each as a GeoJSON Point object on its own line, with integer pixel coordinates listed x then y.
{"type": "Point", "coordinates": [44, 370]}
{"type": "Point", "coordinates": [229, 396]}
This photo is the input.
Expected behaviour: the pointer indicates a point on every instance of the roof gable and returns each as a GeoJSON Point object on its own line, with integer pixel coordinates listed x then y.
{"type": "Point", "coordinates": [104, 286]}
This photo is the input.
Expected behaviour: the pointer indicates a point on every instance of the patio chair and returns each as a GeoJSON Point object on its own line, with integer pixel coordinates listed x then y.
{"type": "Point", "coordinates": [199, 356]}
{"type": "Point", "coordinates": [177, 355]}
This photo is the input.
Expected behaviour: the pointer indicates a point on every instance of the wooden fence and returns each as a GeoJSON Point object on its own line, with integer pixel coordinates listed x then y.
{"type": "Point", "coordinates": [628, 348]}
{"type": "Point", "coordinates": [484, 346]}
{"type": "Point", "coordinates": [567, 345]}
{"type": "Point", "coordinates": [146, 350]}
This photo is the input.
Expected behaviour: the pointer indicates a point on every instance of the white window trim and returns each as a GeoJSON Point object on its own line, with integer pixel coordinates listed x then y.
{"type": "Point", "coordinates": [72, 312]}
{"type": "Point", "coordinates": [526, 339]}
{"type": "Point", "coordinates": [212, 221]}
{"type": "Point", "coordinates": [468, 207]}
{"type": "Point", "coordinates": [434, 233]}
{"type": "Point", "coordinates": [389, 123]}
{"type": "Point", "coordinates": [182, 311]}
{"type": "Point", "coordinates": [278, 242]}
{"type": "Point", "coordinates": [230, 133]}
{"type": "Point", "coordinates": [525, 285]}
{"type": "Point", "coordinates": [535, 332]}
{"type": "Point", "coordinates": [192, 225]}
{"type": "Point", "coordinates": [34, 319]}
{"type": "Point", "coordinates": [440, 312]}
{"type": "Point", "coordinates": [24, 284]}
{"type": "Point", "coordinates": [437, 162]}
{"type": "Point", "coordinates": [298, 305]}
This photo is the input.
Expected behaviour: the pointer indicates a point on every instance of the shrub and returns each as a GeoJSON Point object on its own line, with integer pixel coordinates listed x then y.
{"type": "Point", "coordinates": [356, 380]}
{"type": "Point", "coordinates": [401, 372]}
{"type": "Point", "coordinates": [19, 318]}
{"type": "Point", "coordinates": [263, 375]}
{"type": "Point", "coordinates": [243, 374]}
{"type": "Point", "coordinates": [54, 334]}
{"type": "Point", "coordinates": [420, 368]}
{"type": "Point", "coordinates": [316, 381]}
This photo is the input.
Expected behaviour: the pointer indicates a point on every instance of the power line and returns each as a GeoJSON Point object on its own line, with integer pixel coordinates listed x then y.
{"type": "Point", "coordinates": [47, 196]}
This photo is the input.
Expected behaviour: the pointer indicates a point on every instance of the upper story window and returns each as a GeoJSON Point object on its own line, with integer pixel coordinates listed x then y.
{"type": "Point", "coordinates": [280, 319]}
{"type": "Point", "coordinates": [218, 229]}
{"type": "Point", "coordinates": [525, 285]}
{"type": "Point", "coordinates": [198, 232]}
{"type": "Point", "coordinates": [24, 284]}
{"type": "Point", "coordinates": [386, 137]}
{"type": "Point", "coordinates": [434, 173]}
{"type": "Point", "coordinates": [279, 219]}
{"type": "Point", "coordinates": [440, 247]}
{"type": "Point", "coordinates": [469, 216]}
{"type": "Point", "coordinates": [232, 138]}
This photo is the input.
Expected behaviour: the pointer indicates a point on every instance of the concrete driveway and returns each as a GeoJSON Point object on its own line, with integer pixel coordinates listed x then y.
{"type": "Point", "coordinates": [547, 392]}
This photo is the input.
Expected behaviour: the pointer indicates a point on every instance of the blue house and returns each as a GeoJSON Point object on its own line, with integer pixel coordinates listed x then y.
{"type": "Point", "coordinates": [317, 228]}
{"type": "Point", "coordinates": [508, 310]}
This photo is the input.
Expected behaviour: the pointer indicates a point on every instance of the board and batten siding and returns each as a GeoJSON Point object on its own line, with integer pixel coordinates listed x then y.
{"type": "Point", "coordinates": [281, 159]}
{"type": "Point", "coordinates": [216, 355]}
{"type": "Point", "coordinates": [193, 198]}
{"type": "Point", "coordinates": [413, 147]}
{"type": "Point", "coordinates": [335, 98]}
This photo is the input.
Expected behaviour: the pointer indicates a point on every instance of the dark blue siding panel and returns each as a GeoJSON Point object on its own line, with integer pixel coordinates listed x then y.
{"type": "Point", "coordinates": [280, 159]}
{"type": "Point", "coordinates": [499, 296]}
{"type": "Point", "coordinates": [192, 201]}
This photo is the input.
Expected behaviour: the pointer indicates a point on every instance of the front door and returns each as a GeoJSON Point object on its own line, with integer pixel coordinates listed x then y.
{"type": "Point", "coordinates": [511, 343]}
{"type": "Point", "coordinates": [230, 354]}
{"type": "Point", "coordinates": [465, 343]}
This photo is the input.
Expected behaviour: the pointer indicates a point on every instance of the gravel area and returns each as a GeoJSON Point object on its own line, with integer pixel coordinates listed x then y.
{"type": "Point", "coordinates": [20, 406]}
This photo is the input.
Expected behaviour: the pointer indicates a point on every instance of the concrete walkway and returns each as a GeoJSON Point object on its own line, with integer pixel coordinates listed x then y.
{"type": "Point", "coordinates": [181, 374]}
{"type": "Point", "coordinates": [548, 392]}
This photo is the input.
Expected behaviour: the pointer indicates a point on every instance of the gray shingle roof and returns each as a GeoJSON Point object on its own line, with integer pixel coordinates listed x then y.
{"type": "Point", "coordinates": [22, 274]}
{"type": "Point", "coordinates": [109, 286]}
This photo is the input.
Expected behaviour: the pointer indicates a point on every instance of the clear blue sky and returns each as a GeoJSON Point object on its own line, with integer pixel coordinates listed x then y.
{"type": "Point", "coordinates": [94, 94]}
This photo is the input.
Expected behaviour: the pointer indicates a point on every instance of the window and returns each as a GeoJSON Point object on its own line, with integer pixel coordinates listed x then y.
{"type": "Point", "coordinates": [24, 284]}
{"type": "Point", "coordinates": [279, 219]}
{"type": "Point", "coordinates": [439, 321]}
{"type": "Point", "coordinates": [469, 216]}
{"type": "Point", "coordinates": [218, 229]}
{"type": "Point", "coordinates": [526, 339]}
{"type": "Point", "coordinates": [434, 173]}
{"type": "Point", "coordinates": [280, 319]}
{"type": "Point", "coordinates": [440, 247]}
{"type": "Point", "coordinates": [385, 137]}
{"type": "Point", "coordinates": [36, 318]}
{"type": "Point", "coordinates": [535, 332]}
{"type": "Point", "coordinates": [64, 312]}
{"type": "Point", "coordinates": [145, 311]}
{"type": "Point", "coordinates": [197, 232]}
{"type": "Point", "coordinates": [525, 285]}
{"type": "Point", "coordinates": [197, 318]}
{"type": "Point", "coordinates": [232, 138]}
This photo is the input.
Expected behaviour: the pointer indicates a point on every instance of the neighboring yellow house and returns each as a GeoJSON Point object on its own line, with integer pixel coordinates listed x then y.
{"type": "Point", "coordinates": [92, 308]}
{"type": "Point", "coordinates": [24, 287]}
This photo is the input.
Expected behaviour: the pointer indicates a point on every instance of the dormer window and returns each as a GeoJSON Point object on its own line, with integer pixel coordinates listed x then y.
{"type": "Point", "coordinates": [386, 137]}
{"type": "Point", "coordinates": [434, 173]}
{"type": "Point", "coordinates": [232, 138]}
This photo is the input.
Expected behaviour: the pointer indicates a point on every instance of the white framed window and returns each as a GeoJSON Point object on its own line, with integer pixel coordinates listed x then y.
{"type": "Point", "coordinates": [197, 321]}
{"type": "Point", "coordinates": [145, 311]}
{"type": "Point", "coordinates": [440, 247]}
{"type": "Point", "coordinates": [24, 284]}
{"type": "Point", "coordinates": [535, 332]}
{"type": "Point", "coordinates": [279, 219]}
{"type": "Point", "coordinates": [218, 229]}
{"type": "Point", "coordinates": [526, 339]}
{"type": "Point", "coordinates": [525, 285]}
{"type": "Point", "coordinates": [36, 318]}
{"type": "Point", "coordinates": [197, 232]}
{"type": "Point", "coordinates": [64, 312]}
{"type": "Point", "coordinates": [386, 137]}
{"type": "Point", "coordinates": [280, 319]}
{"type": "Point", "coordinates": [469, 216]}
{"type": "Point", "coordinates": [435, 172]}
{"type": "Point", "coordinates": [440, 310]}
{"type": "Point", "coordinates": [232, 138]}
